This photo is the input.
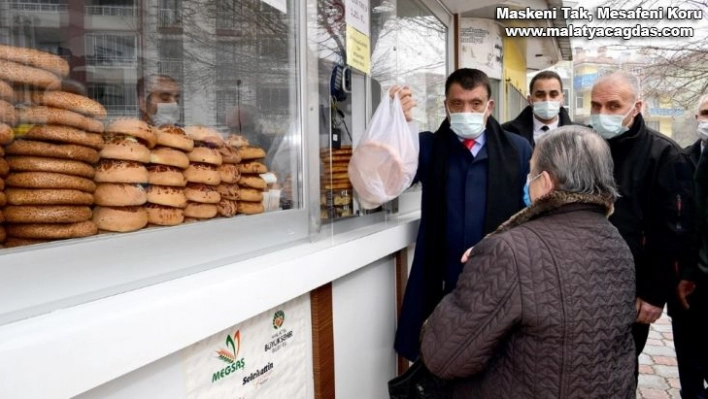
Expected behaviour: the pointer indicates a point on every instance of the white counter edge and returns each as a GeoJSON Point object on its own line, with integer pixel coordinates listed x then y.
{"type": "Point", "coordinates": [70, 351]}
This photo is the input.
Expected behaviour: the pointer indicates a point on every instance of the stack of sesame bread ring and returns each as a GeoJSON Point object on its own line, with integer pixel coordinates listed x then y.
{"type": "Point", "coordinates": [51, 141]}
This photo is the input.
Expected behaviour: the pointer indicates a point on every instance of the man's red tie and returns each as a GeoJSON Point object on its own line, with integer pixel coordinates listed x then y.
{"type": "Point", "coordinates": [469, 143]}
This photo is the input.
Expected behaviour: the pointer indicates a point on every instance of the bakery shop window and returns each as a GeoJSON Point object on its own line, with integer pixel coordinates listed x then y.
{"type": "Point", "coordinates": [408, 47]}
{"type": "Point", "coordinates": [109, 123]}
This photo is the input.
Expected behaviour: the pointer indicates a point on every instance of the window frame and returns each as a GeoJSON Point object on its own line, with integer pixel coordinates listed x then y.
{"type": "Point", "coordinates": [43, 278]}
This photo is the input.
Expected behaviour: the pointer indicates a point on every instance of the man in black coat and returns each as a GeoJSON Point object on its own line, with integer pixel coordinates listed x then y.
{"type": "Point", "coordinates": [655, 211]}
{"type": "Point", "coordinates": [545, 110]}
{"type": "Point", "coordinates": [688, 320]}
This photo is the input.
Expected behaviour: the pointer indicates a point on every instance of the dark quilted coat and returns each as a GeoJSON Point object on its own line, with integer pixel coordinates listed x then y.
{"type": "Point", "coordinates": [543, 309]}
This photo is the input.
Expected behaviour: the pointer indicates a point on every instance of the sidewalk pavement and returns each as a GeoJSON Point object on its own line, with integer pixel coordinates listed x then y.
{"type": "Point", "coordinates": [658, 373]}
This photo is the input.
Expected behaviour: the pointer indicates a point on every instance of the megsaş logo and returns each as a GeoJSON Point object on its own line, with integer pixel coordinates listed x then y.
{"type": "Point", "coordinates": [230, 356]}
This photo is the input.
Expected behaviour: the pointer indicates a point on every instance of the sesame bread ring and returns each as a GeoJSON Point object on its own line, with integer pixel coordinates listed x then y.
{"type": "Point", "coordinates": [336, 176]}
{"type": "Point", "coordinates": [18, 73]}
{"type": "Point", "coordinates": [41, 164]}
{"type": "Point", "coordinates": [174, 137]}
{"type": "Point", "coordinates": [250, 208]}
{"type": "Point", "coordinates": [202, 173]}
{"type": "Point", "coordinates": [229, 173]}
{"type": "Point", "coordinates": [3, 201]}
{"type": "Point", "coordinates": [52, 230]}
{"type": "Point", "coordinates": [65, 134]}
{"type": "Point", "coordinates": [125, 148]}
{"type": "Point", "coordinates": [47, 214]}
{"type": "Point", "coordinates": [168, 196]}
{"type": "Point", "coordinates": [170, 157]}
{"type": "Point", "coordinates": [229, 154]}
{"type": "Point", "coordinates": [35, 58]}
{"type": "Point", "coordinates": [200, 211]}
{"type": "Point", "coordinates": [7, 113]}
{"type": "Point", "coordinates": [337, 186]}
{"type": "Point", "coordinates": [236, 141]}
{"type": "Point", "coordinates": [6, 134]}
{"type": "Point", "coordinates": [163, 175]}
{"type": "Point", "coordinates": [230, 192]}
{"type": "Point", "coordinates": [6, 91]}
{"type": "Point", "coordinates": [227, 208]}
{"type": "Point", "coordinates": [205, 155]}
{"type": "Point", "coordinates": [202, 193]}
{"type": "Point", "coordinates": [251, 195]}
{"type": "Point", "coordinates": [4, 168]}
{"type": "Point", "coordinates": [119, 194]}
{"type": "Point", "coordinates": [134, 127]}
{"type": "Point", "coordinates": [50, 180]}
{"type": "Point", "coordinates": [164, 215]}
{"type": "Point", "coordinates": [2, 184]}
{"type": "Point", "coordinates": [58, 116]}
{"type": "Point", "coordinates": [41, 196]}
{"type": "Point", "coordinates": [121, 219]}
{"type": "Point", "coordinates": [111, 171]}
{"type": "Point", "coordinates": [251, 153]}
{"type": "Point", "coordinates": [3, 235]}
{"type": "Point", "coordinates": [42, 149]}
{"type": "Point", "coordinates": [12, 242]}
{"type": "Point", "coordinates": [252, 167]}
{"type": "Point", "coordinates": [252, 182]}
{"type": "Point", "coordinates": [70, 101]}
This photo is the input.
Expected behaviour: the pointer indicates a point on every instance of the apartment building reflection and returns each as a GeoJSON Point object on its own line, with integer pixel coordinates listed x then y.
{"type": "Point", "coordinates": [222, 52]}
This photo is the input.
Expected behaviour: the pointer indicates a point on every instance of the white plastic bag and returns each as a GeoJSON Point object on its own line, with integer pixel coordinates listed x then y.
{"type": "Point", "coordinates": [385, 161]}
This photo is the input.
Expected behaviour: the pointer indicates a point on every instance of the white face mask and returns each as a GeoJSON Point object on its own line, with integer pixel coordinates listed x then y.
{"type": "Point", "coordinates": [166, 114]}
{"type": "Point", "coordinates": [609, 126]}
{"type": "Point", "coordinates": [702, 130]}
{"type": "Point", "coordinates": [468, 125]}
{"type": "Point", "coordinates": [546, 109]}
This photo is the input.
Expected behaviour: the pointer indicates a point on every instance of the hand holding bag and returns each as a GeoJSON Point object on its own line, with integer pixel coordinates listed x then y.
{"type": "Point", "coordinates": [385, 161]}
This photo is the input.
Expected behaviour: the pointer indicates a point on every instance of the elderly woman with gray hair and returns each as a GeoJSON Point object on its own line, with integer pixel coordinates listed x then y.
{"type": "Point", "coordinates": [544, 306]}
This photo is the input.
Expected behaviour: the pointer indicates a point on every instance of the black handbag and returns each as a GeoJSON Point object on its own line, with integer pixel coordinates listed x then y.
{"type": "Point", "coordinates": [419, 382]}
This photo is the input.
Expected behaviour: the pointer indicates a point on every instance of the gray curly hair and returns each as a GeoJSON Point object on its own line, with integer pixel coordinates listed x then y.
{"type": "Point", "coordinates": [578, 160]}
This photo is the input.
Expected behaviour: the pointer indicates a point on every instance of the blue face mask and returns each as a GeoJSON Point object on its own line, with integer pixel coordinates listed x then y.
{"type": "Point", "coordinates": [609, 126]}
{"type": "Point", "coordinates": [527, 195]}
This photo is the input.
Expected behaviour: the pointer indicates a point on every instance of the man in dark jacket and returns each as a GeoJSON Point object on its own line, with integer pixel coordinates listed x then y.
{"type": "Point", "coordinates": [688, 320]}
{"type": "Point", "coordinates": [655, 210]}
{"type": "Point", "coordinates": [545, 110]}
{"type": "Point", "coordinates": [473, 175]}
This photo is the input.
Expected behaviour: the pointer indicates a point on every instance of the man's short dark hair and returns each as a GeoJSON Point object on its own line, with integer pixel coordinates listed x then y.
{"type": "Point", "coordinates": [151, 79]}
{"type": "Point", "coordinates": [545, 75]}
{"type": "Point", "coordinates": [469, 79]}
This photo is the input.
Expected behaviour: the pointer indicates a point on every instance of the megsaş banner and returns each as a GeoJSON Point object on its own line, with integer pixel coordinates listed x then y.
{"type": "Point", "coordinates": [262, 357]}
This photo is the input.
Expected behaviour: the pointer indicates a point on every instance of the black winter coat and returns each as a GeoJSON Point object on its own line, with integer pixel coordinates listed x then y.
{"type": "Point", "coordinates": [656, 209]}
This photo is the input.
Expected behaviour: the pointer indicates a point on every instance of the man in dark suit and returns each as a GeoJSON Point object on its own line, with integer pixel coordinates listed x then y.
{"type": "Point", "coordinates": [473, 174]}
{"type": "Point", "coordinates": [688, 320]}
{"type": "Point", "coordinates": [545, 110]}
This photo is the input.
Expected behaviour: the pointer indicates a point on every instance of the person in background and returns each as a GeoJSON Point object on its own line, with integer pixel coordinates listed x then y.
{"type": "Point", "coordinates": [243, 120]}
{"type": "Point", "coordinates": [688, 320]}
{"type": "Point", "coordinates": [544, 306]}
{"type": "Point", "coordinates": [472, 174]}
{"type": "Point", "coordinates": [655, 212]}
{"type": "Point", "coordinates": [159, 98]}
{"type": "Point", "coordinates": [545, 111]}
